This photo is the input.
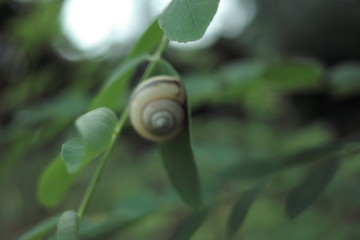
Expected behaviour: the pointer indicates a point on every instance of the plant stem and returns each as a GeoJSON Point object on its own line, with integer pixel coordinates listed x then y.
{"type": "Point", "coordinates": [120, 125]}
{"type": "Point", "coordinates": [155, 58]}
{"type": "Point", "coordinates": [99, 169]}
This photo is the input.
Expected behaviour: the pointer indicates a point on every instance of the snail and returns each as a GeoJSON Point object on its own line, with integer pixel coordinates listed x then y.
{"type": "Point", "coordinates": [157, 108]}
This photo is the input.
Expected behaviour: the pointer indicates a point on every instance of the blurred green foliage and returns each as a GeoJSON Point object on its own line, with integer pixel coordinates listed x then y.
{"type": "Point", "coordinates": [289, 97]}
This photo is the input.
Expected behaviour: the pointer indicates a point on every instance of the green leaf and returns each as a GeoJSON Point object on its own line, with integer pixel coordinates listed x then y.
{"type": "Point", "coordinates": [73, 152]}
{"type": "Point", "coordinates": [311, 187]}
{"type": "Point", "coordinates": [163, 67]}
{"type": "Point", "coordinates": [54, 183]}
{"type": "Point", "coordinates": [201, 88]}
{"type": "Point", "coordinates": [188, 226]}
{"type": "Point", "coordinates": [248, 170]}
{"type": "Point", "coordinates": [97, 129]}
{"type": "Point", "coordinates": [68, 226]}
{"type": "Point", "coordinates": [344, 79]}
{"type": "Point", "coordinates": [241, 208]}
{"type": "Point", "coordinates": [138, 204]}
{"type": "Point", "coordinates": [41, 230]}
{"type": "Point", "coordinates": [130, 210]}
{"type": "Point", "coordinates": [179, 162]}
{"type": "Point", "coordinates": [242, 72]}
{"type": "Point", "coordinates": [148, 41]}
{"type": "Point", "coordinates": [108, 228]}
{"type": "Point", "coordinates": [187, 20]}
{"type": "Point", "coordinates": [293, 75]}
{"type": "Point", "coordinates": [312, 155]}
{"type": "Point", "coordinates": [287, 75]}
{"type": "Point", "coordinates": [115, 88]}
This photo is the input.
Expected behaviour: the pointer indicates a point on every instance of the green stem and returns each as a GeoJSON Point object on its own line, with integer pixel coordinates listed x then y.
{"type": "Point", "coordinates": [105, 157]}
{"type": "Point", "coordinates": [100, 168]}
{"type": "Point", "coordinates": [155, 58]}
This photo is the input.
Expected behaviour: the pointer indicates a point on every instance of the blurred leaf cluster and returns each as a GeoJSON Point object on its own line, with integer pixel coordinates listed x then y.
{"type": "Point", "coordinates": [280, 103]}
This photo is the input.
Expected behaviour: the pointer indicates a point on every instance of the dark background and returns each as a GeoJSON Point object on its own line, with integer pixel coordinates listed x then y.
{"type": "Point", "coordinates": [289, 82]}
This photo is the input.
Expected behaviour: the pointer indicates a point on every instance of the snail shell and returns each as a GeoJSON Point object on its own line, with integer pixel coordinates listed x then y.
{"type": "Point", "coordinates": [157, 108]}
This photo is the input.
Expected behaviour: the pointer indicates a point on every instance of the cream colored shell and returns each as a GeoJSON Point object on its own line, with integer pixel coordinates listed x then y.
{"type": "Point", "coordinates": [158, 101]}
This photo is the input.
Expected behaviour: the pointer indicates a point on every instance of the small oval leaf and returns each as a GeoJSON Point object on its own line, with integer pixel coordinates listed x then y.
{"type": "Point", "coordinates": [68, 226]}
{"type": "Point", "coordinates": [97, 128]}
{"type": "Point", "coordinates": [188, 226]}
{"type": "Point", "coordinates": [54, 183]}
{"type": "Point", "coordinates": [241, 209]}
{"type": "Point", "coordinates": [311, 187]}
{"type": "Point", "coordinates": [179, 162]}
{"type": "Point", "coordinates": [73, 152]}
{"type": "Point", "coordinates": [187, 20]}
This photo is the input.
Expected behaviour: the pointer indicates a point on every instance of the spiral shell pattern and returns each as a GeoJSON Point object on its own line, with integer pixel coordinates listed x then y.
{"type": "Point", "coordinates": [157, 108]}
